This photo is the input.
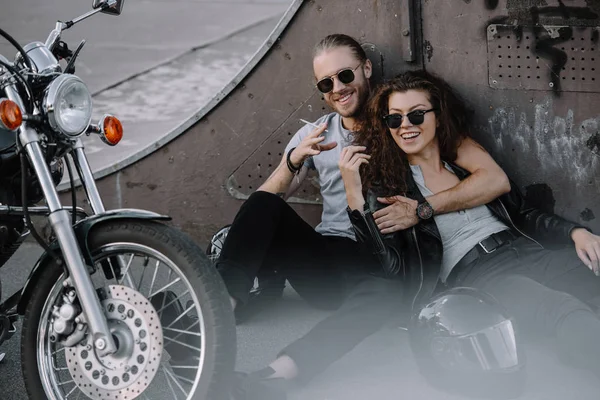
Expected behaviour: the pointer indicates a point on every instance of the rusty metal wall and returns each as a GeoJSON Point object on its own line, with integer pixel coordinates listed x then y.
{"type": "Point", "coordinates": [528, 67]}
{"type": "Point", "coordinates": [201, 177]}
{"type": "Point", "coordinates": [531, 70]}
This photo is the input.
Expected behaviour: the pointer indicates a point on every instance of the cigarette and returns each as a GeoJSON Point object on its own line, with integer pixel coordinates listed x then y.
{"type": "Point", "coordinates": [311, 124]}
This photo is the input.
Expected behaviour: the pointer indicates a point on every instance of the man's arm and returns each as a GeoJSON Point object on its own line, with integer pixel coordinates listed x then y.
{"type": "Point", "coordinates": [282, 182]}
{"type": "Point", "coordinates": [486, 182]}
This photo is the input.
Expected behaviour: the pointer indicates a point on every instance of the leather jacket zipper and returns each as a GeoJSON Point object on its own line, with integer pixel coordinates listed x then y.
{"type": "Point", "coordinates": [380, 247]}
{"type": "Point", "coordinates": [414, 233]}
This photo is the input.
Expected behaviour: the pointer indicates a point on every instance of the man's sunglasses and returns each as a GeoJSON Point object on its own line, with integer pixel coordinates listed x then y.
{"type": "Point", "coordinates": [345, 76]}
{"type": "Point", "coordinates": [393, 121]}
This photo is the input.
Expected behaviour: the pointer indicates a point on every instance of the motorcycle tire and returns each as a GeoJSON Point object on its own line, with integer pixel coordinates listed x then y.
{"type": "Point", "coordinates": [219, 336]}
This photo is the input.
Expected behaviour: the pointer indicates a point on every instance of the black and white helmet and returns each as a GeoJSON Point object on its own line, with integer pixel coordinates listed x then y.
{"type": "Point", "coordinates": [464, 341]}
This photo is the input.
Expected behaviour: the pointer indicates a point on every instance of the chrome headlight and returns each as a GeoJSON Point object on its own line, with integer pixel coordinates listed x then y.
{"type": "Point", "coordinates": [68, 105]}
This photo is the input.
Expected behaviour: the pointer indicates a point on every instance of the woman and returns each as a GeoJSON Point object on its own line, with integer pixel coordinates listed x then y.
{"type": "Point", "coordinates": [407, 146]}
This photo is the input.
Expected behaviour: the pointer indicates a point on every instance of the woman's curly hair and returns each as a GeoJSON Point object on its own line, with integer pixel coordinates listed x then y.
{"type": "Point", "coordinates": [388, 165]}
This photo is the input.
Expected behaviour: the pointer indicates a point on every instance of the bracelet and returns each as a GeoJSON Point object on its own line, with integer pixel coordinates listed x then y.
{"type": "Point", "coordinates": [293, 169]}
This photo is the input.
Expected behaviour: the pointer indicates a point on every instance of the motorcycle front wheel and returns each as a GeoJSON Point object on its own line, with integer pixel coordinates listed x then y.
{"type": "Point", "coordinates": [167, 310]}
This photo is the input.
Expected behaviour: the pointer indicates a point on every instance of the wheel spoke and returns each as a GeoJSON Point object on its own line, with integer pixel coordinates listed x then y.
{"type": "Point", "coordinates": [169, 383]}
{"type": "Point", "coordinates": [168, 285]}
{"type": "Point", "coordinates": [186, 329]}
{"type": "Point", "coordinates": [164, 297]}
{"type": "Point", "coordinates": [181, 316]}
{"type": "Point", "coordinates": [153, 279]}
{"type": "Point", "coordinates": [171, 302]}
{"type": "Point", "coordinates": [181, 378]}
{"type": "Point", "coordinates": [58, 351]}
{"type": "Point", "coordinates": [183, 344]}
{"type": "Point", "coordinates": [143, 274]}
{"type": "Point", "coordinates": [126, 272]}
{"type": "Point", "coordinates": [176, 381]}
{"type": "Point", "coordinates": [112, 269]}
{"type": "Point", "coordinates": [184, 332]}
{"type": "Point", "coordinates": [184, 366]}
{"type": "Point", "coordinates": [72, 390]}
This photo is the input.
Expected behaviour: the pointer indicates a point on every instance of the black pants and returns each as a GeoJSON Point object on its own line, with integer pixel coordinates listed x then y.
{"type": "Point", "coordinates": [328, 272]}
{"type": "Point", "coordinates": [546, 292]}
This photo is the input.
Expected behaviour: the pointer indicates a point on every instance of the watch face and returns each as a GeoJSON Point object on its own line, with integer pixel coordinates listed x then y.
{"type": "Point", "coordinates": [424, 211]}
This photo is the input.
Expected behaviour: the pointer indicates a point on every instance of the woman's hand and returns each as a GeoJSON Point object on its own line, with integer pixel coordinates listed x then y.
{"type": "Point", "coordinates": [310, 146]}
{"type": "Point", "coordinates": [350, 161]}
{"type": "Point", "coordinates": [588, 248]}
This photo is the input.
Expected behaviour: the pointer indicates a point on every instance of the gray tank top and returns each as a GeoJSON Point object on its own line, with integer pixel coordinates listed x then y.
{"type": "Point", "coordinates": [460, 230]}
{"type": "Point", "coordinates": [334, 219]}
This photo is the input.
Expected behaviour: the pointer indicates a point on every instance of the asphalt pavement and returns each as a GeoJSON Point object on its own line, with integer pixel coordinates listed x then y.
{"type": "Point", "coordinates": [380, 368]}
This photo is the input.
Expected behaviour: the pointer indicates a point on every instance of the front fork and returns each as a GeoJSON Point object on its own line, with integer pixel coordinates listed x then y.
{"type": "Point", "coordinates": [60, 220]}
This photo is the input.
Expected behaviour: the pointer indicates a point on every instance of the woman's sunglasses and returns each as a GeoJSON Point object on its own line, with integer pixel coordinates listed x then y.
{"type": "Point", "coordinates": [393, 121]}
{"type": "Point", "coordinates": [345, 76]}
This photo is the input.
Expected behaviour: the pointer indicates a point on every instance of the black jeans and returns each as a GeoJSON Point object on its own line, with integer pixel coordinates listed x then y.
{"type": "Point", "coordinates": [328, 272]}
{"type": "Point", "coordinates": [546, 292]}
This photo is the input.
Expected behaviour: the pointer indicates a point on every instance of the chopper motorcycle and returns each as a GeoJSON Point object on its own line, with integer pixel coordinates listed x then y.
{"type": "Point", "coordinates": [120, 305]}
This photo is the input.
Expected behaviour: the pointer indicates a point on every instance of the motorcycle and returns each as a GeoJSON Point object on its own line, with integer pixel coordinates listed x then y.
{"type": "Point", "coordinates": [120, 305]}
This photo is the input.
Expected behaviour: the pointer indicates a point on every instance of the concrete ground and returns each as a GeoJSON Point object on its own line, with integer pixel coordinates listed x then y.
{"type": "Point", "coordinates": [380, 368]}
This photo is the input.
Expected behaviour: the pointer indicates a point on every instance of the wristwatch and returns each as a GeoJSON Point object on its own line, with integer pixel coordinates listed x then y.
{"type": "Point", "coordinates": [424, 210]}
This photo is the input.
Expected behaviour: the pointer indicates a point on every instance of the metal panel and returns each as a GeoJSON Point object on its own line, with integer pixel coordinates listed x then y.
{"type": "Point", "coordinates": [516, 58]}
{"type": "Point", "coordinates": [547, 140]}
{"type": "Point", "coordinates": [257, 168]}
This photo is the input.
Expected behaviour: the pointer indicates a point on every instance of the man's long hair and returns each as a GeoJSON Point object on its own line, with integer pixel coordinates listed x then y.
{"type": "Point", "coordinates": [388, 165]}
{"type": "Point", "coordinates": [336, 40]}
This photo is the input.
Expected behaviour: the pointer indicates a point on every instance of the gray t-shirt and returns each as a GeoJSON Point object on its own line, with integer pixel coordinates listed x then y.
{"type": "Point", "coordinates": [334, 219]}
{"type": "Point", "coordinates": [459, 230]}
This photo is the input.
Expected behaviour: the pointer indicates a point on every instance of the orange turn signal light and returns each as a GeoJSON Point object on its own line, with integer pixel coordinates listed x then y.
{"type": "Point", "coordinates": [10, 115]}
{"type": "Point", "coordinates": [112, 130]}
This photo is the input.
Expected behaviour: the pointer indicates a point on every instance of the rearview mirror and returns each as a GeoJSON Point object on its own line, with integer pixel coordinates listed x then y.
{"type": "Point", "coordinates": [112, 10]}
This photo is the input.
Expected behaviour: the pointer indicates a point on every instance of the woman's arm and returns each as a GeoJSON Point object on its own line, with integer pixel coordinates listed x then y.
{"type": "Point", "coordinates": [362, 220]}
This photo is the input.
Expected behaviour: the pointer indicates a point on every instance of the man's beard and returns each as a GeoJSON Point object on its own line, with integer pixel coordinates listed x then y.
{"type": "Point", "coordinates": [358, 107]}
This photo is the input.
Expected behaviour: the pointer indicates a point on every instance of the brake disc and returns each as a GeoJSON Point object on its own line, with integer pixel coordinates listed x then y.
{"type": "Point", "coordinates": [136, 328]}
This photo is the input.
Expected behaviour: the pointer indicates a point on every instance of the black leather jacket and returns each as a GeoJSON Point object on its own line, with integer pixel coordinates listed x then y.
{"type": "Point", "coordinates": [415, 254]}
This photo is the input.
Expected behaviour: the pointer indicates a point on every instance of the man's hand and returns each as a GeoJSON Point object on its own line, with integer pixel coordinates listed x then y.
{"type": "Point", "coordinates": [351, 158]}
{"type": "Point", "coordinates": [588, 248]}
{"type": "Point", "coordinates": [310, 146]}
{"type": "Point", "coordinates": [400, 214]}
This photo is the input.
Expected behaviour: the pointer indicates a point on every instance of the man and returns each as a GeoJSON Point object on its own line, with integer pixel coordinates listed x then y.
{"type": "Point", "coordinates": [325, 265]}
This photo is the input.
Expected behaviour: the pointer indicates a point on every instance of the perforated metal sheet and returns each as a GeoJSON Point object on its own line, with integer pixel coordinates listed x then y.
{"type": "Point", "coordinates": [556, 58]}
{"type": "Point", "coordinates": [257, 168]}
